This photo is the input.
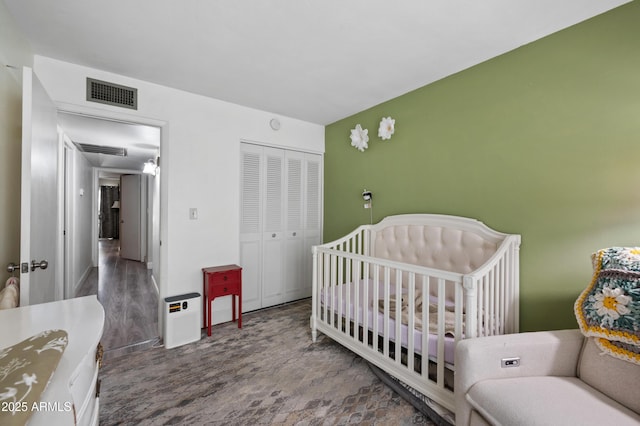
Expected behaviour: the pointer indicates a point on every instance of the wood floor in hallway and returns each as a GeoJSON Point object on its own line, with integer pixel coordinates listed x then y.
{"type": "Point", "coordinates": [127, 293]}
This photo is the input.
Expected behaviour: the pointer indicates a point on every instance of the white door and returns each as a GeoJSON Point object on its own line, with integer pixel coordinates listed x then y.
{"type": "Point", "coordinates": [130, 217]}
{"type": "Point", "coordinates": [294, 230]}
{"type": "Point", "coordinates": [67, 200]}
{"type": "Point", "coordinates": [39, 193]}
{"type": "Point", "coordinates": [312, 216]}
{"type": "Point", "coordinates": [273, 232]}
{"type": "Point", "coordinates": [251, 226]}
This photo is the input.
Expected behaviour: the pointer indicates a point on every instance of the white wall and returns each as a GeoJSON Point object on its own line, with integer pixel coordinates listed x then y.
{"type": "Point", "coordinates": [152, 225]}
{"type": "Point", "coordinates": [14, 47]}
{"type": "Point", "coordinates": [154, 250]}
{"type": "Point", "coordinates": [108, 182]}
{"type": "Point", "coordinates": [199, 163]}
{"type": "Point", "coordinates": [82, 195]}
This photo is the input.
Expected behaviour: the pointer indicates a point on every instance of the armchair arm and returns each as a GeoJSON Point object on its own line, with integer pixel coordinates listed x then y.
{"type": "Point", "coordinates": [542, 353]}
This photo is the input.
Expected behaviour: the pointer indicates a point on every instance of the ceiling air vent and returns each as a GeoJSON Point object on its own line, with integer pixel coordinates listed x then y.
{"type": "Point", "coordinates": [111, 94]}
{"type": "Point", "coordinates": [97, 149]}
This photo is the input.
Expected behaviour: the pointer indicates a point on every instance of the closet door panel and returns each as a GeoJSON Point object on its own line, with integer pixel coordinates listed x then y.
{"type": "Point", "coordinates": [294, 233]}
{"type": "Point", "coordinates": [251, 262]}
{"type": "Point", "coordinates": [312, 216]}
{"type": "Point", "coordinates": [273, 231]}
{"type": "Point", "coordinates": [272, 271]}
{"type": "Point", "coordinates": [251, 226]}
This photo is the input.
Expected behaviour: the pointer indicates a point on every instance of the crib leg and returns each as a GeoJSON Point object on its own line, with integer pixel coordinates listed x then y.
{"type": "Point", "coordinates": [314, 330]}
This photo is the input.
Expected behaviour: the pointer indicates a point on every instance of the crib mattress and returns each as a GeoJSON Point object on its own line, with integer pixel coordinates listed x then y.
{"type": "Point", "coordinates": [340, 304]}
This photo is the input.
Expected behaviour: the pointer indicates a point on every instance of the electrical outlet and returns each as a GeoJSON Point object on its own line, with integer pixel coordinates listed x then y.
{"type": "Point", "coordinates": [193, 213]}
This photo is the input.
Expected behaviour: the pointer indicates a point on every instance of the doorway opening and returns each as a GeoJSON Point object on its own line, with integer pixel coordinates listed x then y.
{"type": "Point", "coordinates": [125, 260]}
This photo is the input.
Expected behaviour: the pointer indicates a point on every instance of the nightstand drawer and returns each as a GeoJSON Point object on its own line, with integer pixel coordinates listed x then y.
{"type": "Point", "coordinates": [224, 288]}
{"type": "Point", "coordinates": [227, 277]}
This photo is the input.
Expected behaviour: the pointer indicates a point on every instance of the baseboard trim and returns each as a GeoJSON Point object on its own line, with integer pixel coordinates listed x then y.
{"type": "Point", "coordinates": [82, 279]}
{"type": "Point", "coordinates": [155, 284]}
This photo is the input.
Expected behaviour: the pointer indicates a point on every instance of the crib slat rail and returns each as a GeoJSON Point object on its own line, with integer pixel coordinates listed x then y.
{"type": "Point", "coordinates": [353, 323]}
{"type": "Point", "coordinates": [406, 318]}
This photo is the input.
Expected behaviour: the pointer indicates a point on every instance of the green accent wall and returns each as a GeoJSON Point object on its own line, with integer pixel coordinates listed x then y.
{"type": "Point", "coordinates": [543, 141]}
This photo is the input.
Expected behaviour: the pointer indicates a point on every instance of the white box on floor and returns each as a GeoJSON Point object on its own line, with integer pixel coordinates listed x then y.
{"type": "Point", "coordinates": [182, 319]}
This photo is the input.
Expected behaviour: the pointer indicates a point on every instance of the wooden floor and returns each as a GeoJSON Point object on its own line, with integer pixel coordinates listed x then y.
{"type": "Point", "coordinates": [129, 297]}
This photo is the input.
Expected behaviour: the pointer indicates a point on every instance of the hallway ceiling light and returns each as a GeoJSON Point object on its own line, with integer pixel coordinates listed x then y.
{"type": "Point", "coordinates": [150, 168]}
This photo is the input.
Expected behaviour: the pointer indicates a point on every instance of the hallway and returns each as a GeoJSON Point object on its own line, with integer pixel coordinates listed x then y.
{"type": "Point", "coordinates": [127, 293]}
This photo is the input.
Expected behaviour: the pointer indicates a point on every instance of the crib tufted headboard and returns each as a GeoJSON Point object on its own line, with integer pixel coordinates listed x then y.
{"type": "Point", "coordinates": [449, 243]}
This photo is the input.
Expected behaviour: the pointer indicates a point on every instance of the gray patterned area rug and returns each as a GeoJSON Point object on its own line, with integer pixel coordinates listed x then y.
{"type": "Point", "coordinates": [268, 372]}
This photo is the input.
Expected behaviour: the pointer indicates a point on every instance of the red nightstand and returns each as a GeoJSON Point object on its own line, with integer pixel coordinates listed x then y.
{"type": "Point", "coordinates": [222, 281]}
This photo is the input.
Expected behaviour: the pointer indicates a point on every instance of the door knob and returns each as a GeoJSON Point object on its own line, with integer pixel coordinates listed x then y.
{"type": "Point", "coordinates": [13, 267]}
{"type": "Point", "coordinates": [42, 265]}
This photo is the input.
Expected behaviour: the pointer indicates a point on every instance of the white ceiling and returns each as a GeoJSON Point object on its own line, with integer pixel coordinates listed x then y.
{"type": "Point", "coordinates": [141, 142]}
{"type": "Point", "coordinates": [318, 61]}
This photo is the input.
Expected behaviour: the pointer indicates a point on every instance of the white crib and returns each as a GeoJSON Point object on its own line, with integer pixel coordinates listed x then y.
{"type": "Point", "coordinates": [456, 278]}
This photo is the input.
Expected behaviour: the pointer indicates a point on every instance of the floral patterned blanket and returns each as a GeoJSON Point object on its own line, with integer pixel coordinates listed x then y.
{"type": "Point", "coordinates": [609, 308]}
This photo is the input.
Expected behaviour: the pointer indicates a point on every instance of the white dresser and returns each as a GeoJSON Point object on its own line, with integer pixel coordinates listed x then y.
{"type": "Point", "coordinates": [74, 381]}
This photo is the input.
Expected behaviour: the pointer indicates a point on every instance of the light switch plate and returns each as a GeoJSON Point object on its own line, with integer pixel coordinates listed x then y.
{"type": "Point", "coordinates": [193, 213]}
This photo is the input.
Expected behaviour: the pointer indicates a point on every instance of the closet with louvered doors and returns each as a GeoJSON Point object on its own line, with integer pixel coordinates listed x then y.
{"type": "Point", "coordinates": [280, 220]}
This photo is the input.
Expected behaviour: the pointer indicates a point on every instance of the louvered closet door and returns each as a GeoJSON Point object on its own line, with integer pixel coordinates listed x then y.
{"type": "Point", "coordinates": [281, 218]}
{"type": "Point", "coordinates": [294, 229]}
{"type": "Point", "coordinates": [312, 216]}
{"type": "Point", "coordinates": [272, 237]}
{"type": "Point", "coordinates": [251, 201]}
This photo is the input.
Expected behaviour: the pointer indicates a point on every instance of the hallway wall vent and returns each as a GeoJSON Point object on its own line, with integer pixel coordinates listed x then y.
{"type": "Point", "coordinates": [97, 149]}
{"type": "Point", "coordinates": [111, 94]}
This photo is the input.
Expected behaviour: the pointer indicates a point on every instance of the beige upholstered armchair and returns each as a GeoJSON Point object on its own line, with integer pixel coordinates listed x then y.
{"type": "Point", "coordinates": [586, 376]}
{"type": "Point", "coordinates": [547, 377]}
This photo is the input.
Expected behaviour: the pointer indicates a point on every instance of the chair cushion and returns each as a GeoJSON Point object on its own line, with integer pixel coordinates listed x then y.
{"type": "Point", "coordinates": [614, 377]}
{"type": "Point", "coordinates": [475, 419]}
{"type": "Point", "coordinates": [546, 400]}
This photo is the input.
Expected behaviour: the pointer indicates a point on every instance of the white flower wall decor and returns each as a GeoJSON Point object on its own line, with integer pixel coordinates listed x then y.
{"type": "Point", "coordinates": [360, 138]}
{"type": "Point", "coordinates": [386, 129]}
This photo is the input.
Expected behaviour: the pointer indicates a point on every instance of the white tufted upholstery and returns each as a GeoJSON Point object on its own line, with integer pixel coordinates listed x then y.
{"type": "Point", "coordinates": [448, 249]}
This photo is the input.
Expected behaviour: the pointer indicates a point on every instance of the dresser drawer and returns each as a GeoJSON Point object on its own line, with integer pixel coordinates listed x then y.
{"type": "Point", "coordinates": [83, 388]}
{"type": "Point", "coordinates": [224, 277]}
{"type": "Point", "coordinates": [224, 288]}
